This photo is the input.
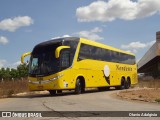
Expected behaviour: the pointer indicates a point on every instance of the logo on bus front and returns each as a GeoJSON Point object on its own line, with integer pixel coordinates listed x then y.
{"type": "Point", "coordinates": [39, 78]}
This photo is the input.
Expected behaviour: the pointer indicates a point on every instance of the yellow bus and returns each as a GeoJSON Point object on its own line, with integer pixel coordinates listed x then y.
{"type": "Point", "coordinates": [73, 63]}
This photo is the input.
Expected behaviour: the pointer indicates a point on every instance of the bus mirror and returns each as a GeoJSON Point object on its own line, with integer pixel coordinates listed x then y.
{"type": "Point", "coordinates": [80, 58]}
{"type": "Point", "coordinates": [24, 55]}
{"type": "Point", "coordinates": [58, 50]}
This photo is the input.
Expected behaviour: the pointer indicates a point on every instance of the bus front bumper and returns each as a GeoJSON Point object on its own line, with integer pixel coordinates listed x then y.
{"type": "Point", "coordinates": [53, 83]}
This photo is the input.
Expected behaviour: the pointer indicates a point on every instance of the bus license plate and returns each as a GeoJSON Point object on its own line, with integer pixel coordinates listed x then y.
{"type": "Point", "coordinates": [40, 87]}
{"type": "Point", "coordinates": [39, 78]}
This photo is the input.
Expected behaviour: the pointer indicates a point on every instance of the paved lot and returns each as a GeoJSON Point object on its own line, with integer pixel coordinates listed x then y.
{"type": "Point", "coordinates": [90, 101]}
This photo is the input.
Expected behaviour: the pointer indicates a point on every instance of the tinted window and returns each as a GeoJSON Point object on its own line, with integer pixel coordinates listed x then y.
{"type": "Point", "coordinates": [97, 53]}
{"type": "Point", "coordinates": [65, 59]}
{"type": "Point", "coordinates": [73, 47]}
{"type": "Point", "coordinates": [43, 61]}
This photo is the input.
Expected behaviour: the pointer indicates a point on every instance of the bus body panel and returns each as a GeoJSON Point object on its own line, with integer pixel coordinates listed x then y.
{"type": "Point", "coordinates": [91, 70]}
{"type": "Point", "coordinates": [94, 77]}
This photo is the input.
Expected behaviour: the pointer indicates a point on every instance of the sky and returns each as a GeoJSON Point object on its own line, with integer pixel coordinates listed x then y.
{"type": "Point", "coordinates": [130, 25]}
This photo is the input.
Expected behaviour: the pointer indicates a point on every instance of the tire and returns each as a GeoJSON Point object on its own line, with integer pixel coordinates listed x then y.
{"type": "Point", "coordinates": [52, 92]}
{"type": "Point", "coordinates": [122, 86]}
{"type": "Point", "coordinates": [83, 89]}
{"type": "Point", "coordinates": [127, 84]}
{"type": "Point", "coordinates": [78, 88]}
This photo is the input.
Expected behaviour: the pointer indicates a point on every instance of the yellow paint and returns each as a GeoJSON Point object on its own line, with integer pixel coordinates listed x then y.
{"type": "Point", "coordinates": [24, 55]}
{"type": "Point", "coordinates": [58, 50]}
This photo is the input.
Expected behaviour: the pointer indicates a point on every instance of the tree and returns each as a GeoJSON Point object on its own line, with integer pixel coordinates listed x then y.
{"type": "Point", "coordinates": [22, 70]}
{"type": "Point", "coordinates": [2, 72]}
{"type": "Point", "coordinates": [7, 73]}
{"type": "Point", "coordinates": [14, 73]}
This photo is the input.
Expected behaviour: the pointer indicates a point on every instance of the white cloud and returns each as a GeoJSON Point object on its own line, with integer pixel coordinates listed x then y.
{"type": "Point", "coordinates": [117, 9]}
{"type": "Point", "coordinates": [14, 65]}
{"type": "Point", "coordinates": [61, 36]}
{"type": "Point", "coordinates": [5, 64]}
{"type": "Point", "coordinates": [91, 34]}
{"type": "Point", "coordinates": [3, 40]}
{"type": "Point", "coordinates": [66, 36]}
{"type": "Point", "coordinates": [2, 63]}
{"type": "Point", "coordinates": [17, 63]}
{"type": "Point", "coordinates": [135, 46]}
{"type": "Point", "coordinates": [15, 23]}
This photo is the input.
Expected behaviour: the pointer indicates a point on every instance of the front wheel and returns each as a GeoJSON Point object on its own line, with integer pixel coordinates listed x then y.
{"type": "Point", "coordinates": [52, 92]}
{"type": "Point", "coordinates": [78, 88]}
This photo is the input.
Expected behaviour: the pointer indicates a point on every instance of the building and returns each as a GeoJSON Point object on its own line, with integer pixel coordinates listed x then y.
{"type": "Point", "coordinates": [150, 62]}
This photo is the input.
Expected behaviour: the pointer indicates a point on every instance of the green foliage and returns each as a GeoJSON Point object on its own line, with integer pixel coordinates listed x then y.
{"type": "Point", "coordinates": [21, 71]}
{"type": "Point", "coordinates": [157, 100]}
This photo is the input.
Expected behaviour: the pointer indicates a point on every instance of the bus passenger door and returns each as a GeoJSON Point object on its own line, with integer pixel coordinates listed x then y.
{"type": "Point", "coordinates": [65, 63]}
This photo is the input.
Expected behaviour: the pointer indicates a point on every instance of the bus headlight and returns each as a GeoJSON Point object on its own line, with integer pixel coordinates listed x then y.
{"type": "Point", "coordinates": [45, 81]}
{"type": "Point", "coordinates": [57, 77]}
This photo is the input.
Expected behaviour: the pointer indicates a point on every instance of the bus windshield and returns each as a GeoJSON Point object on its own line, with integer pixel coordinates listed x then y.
{"type": "Point", "coordinates": [43, 61]}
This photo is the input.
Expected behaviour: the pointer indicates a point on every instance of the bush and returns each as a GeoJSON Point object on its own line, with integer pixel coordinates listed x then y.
{"type": "Point", "coordinates": [157, 100]}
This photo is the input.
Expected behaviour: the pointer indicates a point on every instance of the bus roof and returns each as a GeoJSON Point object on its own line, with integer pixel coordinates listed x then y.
{"type": "Point", "coordinates": [52, 41]}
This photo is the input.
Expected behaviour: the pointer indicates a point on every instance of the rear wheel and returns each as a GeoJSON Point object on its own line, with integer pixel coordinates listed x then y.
{"type": "Point", "coordinates": [127, 84]}
{"type": "Point", "coordinates": [122, 86]}
{"type": "Point", "coordinates": [52, 92]}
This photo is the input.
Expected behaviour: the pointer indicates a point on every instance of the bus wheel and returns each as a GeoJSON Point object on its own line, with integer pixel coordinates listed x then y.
{"type": "Point", "coordinates": [52, 92]}
{"type": "Point", "coordinates": [78, 88]}
{"type": "Point", "coordinates": [122, 86]}
{"type": "Point", "coordinates": [127, 84]}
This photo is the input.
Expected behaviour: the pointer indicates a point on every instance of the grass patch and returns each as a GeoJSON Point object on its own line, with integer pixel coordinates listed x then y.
{"type": "Point", "coordinates": [9, 87]}
{"type": "Point", "coordinates": [157, 100]}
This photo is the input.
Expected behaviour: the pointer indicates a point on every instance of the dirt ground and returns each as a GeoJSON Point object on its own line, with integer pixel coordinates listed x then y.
{"type": "Point", "coordinates": [146, 95]}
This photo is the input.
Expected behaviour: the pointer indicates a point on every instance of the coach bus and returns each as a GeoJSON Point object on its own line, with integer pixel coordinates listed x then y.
{"type": "Point", "coordinates": [73, 63]}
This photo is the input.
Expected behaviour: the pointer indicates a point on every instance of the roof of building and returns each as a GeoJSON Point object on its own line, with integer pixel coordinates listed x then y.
{"type": "Point", "coordinates": [151, 54]}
